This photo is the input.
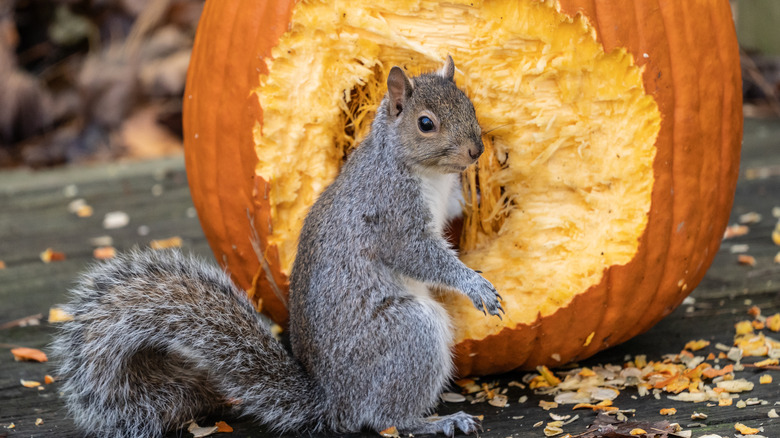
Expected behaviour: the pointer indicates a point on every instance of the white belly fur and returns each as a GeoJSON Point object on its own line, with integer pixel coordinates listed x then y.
{"type": "Point", "coordinates": [437, 191]}
{"type": "Point", "coordinates": [422, 293]}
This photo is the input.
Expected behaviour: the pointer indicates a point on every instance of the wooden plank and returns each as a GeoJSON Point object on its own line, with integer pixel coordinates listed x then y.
{"type": "Point", "coordinates": [35, 216]}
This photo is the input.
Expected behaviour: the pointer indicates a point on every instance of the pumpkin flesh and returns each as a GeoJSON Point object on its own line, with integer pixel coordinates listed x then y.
{"type": "Point", "coordinates": [565, 185]}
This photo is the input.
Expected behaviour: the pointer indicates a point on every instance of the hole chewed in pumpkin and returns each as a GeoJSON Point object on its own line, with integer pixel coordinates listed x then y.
{"type": "Point", "coordinates": [564, 187]}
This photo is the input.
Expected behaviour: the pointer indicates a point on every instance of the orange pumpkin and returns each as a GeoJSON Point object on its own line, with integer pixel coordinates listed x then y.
{"type": "Point", "coordinates": [612, 132]}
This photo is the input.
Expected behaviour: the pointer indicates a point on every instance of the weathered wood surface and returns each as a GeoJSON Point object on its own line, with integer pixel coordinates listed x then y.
{"type": "Point", "coordinates": [34, 216]}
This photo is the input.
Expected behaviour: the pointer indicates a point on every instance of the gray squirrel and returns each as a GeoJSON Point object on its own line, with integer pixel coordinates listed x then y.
{"type": "Point", "coordinates": [159, 338]}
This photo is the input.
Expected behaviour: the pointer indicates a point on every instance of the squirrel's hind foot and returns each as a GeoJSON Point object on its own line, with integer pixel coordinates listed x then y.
{"type": "Point", "coordinates": [448, 424]}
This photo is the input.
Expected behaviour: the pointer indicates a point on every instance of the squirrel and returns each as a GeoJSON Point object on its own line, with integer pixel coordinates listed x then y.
{"type": "Point", "coordinates": [159, 338]}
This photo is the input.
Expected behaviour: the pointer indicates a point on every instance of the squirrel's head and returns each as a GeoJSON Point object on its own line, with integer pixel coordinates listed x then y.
{"type": "Point", "coordinates": [433, 119]}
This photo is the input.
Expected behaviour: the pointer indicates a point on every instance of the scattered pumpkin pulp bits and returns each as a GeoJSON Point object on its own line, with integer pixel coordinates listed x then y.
{"type": "Point", "coordinates": [700, 373]}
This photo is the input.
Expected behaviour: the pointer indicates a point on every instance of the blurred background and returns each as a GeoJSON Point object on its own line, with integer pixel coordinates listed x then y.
{"type": "Point", "coordinates": [92, 80]}
{"type": "Point", "coordinates": [101, 80]}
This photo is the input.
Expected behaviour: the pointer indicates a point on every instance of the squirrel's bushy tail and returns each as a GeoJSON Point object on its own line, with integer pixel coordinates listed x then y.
{"type": "Point", "coordinates": [159, 339]}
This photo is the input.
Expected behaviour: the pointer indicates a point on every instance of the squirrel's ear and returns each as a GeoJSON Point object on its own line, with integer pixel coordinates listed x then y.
{"type": "Point", "coordinates": [448, 69]}
{"type": "Point", "coordinates": [399, 88]}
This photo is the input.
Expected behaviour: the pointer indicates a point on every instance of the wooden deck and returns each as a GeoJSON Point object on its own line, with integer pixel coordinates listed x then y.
{"type": "Point", "coordinates": [34, 216]}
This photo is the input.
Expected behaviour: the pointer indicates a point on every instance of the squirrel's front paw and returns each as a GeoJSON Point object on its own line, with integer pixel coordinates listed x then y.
{"type": "Point", "coordinates": [484, 295]}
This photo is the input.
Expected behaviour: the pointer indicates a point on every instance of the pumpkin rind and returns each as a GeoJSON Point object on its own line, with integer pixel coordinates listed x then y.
{"type": "Point", "coordinates": [220, 114]}
{"type": "Point", "coordinates": [691, 68]}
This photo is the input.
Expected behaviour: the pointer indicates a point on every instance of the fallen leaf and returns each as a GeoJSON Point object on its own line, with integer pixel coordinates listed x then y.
{"type": "Point", "coordinates": [743, 327]}
{"type": "Point", "coordinates": [735, 231]}
{"type": "Point", "coordinates": [548, 375]}
{"type": "Point", "coordinates": [30, 383]}
{"type": "Point", "coordinates": [144, 137]}
{"type": "Point", "coordinates": [56, 314]}
{"type": "Point", "coordinates": [50, 255]}
{"type": "Point", "coordinates": [773, 322]}
{"type": "Point", "coordinates": [223, 427]}
{"type": "Point", "coordinates": [390, 432]}
{"type": "Point", "coordinates": [744, 259]}
{"type": "Point", "coordinates": [696, 345]}
{"type": "Point", "coordinates": [745, 430]}
{"type": "Point", "coordinates": [767, 363]}
{"type": "Point", "coordinates": [104, 252]}
{"type": "Point", "coordinates": [173, 242]}
{"type": "Point", "coordinates": [30, 354]}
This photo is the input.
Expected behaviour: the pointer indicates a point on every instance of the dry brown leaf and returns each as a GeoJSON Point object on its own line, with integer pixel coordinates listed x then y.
{"type": "Point", "coordinates": [172, 242]}
{"type": "Point", "coordinates": [744, 259]}
{"type": "Point", "coordinates": [29, 354]}
{"type": "Point", "coordinates": [696, 345]}
{"type": "Point", "coordinates": [104, 252]}
{"type": "Point", "coordinates": [144, 137]}
{"type": "Point", "coordinates": [745, 430]}
{"type": "Point", "coordinates": [30, 383]}
{"type": "Point", "coordinates": [390, 432]}
{"type": "Point", "coordinates": [56, 314]}
{"type": "Point", "coordinates": [735, 231]}
{"type": "Point", "coordinates": [52, 256]}
{"type": "Point", "coordinates": [767, 363]}
{"type": "Point", "coordinates": [223, 427]}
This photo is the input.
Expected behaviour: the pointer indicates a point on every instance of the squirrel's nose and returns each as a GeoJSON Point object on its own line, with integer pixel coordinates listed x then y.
{"type": "Point", "coordinates": [475, 150]}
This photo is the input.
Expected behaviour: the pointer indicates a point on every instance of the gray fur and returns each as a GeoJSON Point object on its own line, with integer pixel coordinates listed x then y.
{"type": "Point", "coordinates": [362, 321]}
{"type": "Point", "coordinates": [159, 338]}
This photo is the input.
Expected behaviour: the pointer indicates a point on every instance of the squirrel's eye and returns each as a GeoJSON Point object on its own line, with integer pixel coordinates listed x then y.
{"type": "Point", "coordinates": [425, 124]}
